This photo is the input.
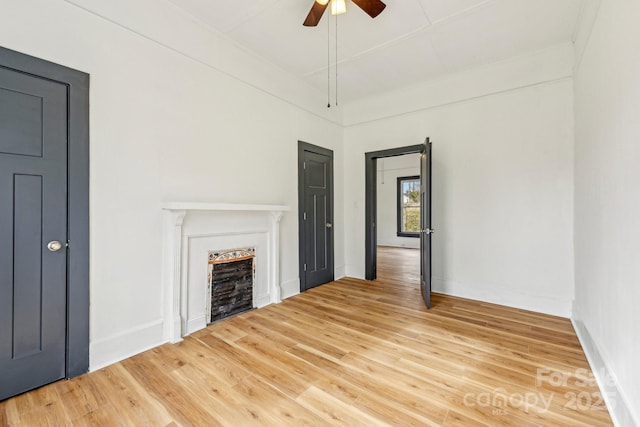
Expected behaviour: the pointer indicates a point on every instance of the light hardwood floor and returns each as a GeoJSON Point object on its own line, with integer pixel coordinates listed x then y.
{"type": "Point", "coordinates": [347, 353]}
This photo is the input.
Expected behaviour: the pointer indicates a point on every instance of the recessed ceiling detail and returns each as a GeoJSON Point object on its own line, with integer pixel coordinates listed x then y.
{"type": "Point", "coordinates": [411, 41]}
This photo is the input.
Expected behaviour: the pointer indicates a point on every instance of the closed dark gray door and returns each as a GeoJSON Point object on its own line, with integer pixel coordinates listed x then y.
{"type": "Point", "coordinates": [317, 218]}
{"type": "Point", "coordinates": [425, 223]}
{"type": "Point", "coordinates": [33, 212]}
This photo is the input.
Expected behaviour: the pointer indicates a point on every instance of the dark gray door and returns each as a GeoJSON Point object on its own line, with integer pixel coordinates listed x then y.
{"type": "Point", "coordinates": [33, 213]}
{"type": "Point", "coordinates": [316, 216]}
{"type": "Point", "coordinates": [425, 223]}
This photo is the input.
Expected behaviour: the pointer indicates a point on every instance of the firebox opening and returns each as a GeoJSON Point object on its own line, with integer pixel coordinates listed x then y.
{"type": "Point", "coordinates": [231, 276]}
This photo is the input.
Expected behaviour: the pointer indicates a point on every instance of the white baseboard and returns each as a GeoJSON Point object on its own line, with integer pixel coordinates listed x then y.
{"type": "Point", "coordinates": [290, 288]}
{"type": "Point", "coordinates": [618, 404]}
{"type": "Point", "coordinates": [504, 296]}
{"type": "Point", "coordinates": [120, 346]}
{"type": "Point", "coordinates": [339, 272]}
{"type": "Point", "coordinates": [196, 324]}
{"type": "Point", "coordinates": [354, 271]}
{"type": "Point", "coordinates": [263, 301]}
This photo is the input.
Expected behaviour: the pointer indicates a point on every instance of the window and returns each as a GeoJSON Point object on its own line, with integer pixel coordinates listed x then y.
{"type": "Point", "coordinates": [409, 206]}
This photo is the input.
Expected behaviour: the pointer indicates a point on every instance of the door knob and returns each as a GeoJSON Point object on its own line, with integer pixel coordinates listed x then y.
{"type": "Point", "coordinates": [429, 231]}
{"type": "Point", "coordinates": [329, 225]}
{"type": "Point", "coordinates": [54, 246]}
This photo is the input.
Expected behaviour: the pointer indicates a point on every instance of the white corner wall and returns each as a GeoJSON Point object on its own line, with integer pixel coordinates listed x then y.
{"type": "Point", "coordinates": [166, 126]}
{"type": "Point", "coordinates": [502, 180]}
{"type": "Point", "coordinates": [389, 169]}
{"type": "Point", "coordinates": [607, 205]}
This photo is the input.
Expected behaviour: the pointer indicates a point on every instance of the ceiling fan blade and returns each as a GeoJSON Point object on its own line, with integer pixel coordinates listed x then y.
{"type": "Point", "coordinates": [373, 8]}
{"type": "Point", "coordinates": [316, 12]}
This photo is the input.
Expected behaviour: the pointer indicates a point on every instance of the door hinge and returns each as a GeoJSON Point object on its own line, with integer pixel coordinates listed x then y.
{"type": "Point", "coordinates": [304, 216]}
{"type": "Point", "coordinates": [304, 165]}
{"type": "Point", "coordinates": [305, 267]}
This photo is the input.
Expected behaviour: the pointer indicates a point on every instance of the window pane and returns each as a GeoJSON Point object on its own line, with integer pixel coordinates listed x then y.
{"type": "Point", "coordinates": [409, 205]}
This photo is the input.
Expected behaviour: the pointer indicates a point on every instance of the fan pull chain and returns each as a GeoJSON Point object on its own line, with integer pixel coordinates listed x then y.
{"type": "Point", "coordinates": [336, 60]}
{"type": "Point", "coordinates": [328, 63]}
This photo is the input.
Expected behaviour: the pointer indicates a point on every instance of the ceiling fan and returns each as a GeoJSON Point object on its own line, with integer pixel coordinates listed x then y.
{"type": "Point", "coordinates": [373, 8]}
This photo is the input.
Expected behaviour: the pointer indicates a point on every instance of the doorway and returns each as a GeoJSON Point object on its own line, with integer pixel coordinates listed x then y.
{"type": "Point", "coordinates": [398, 220]}
{"type": "Point", "coordinates": [44, 222]}
{"type": "Point", "coordinates": [315, 215]}
{"type": "Point", "coordinates": [371, 215]}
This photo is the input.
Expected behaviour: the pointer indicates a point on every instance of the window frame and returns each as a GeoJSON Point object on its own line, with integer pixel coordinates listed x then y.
{"type": "Point", "coordinates": [399, 231]}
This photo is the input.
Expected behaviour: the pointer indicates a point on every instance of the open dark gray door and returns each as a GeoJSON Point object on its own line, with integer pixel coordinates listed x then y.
{"type": "Point", "coordinates": [316, 215]}
{"type": "Point", "coordinates": [33, 231]}
{"type": "Point", "coordinates": [371, 203]}
{"type": "Point", "coordinates": [425, 223]}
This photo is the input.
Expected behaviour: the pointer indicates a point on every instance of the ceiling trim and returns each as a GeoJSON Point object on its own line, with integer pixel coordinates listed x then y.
{"type": "Point", "coordinates": [149, 20]}
{"type": "Point", "coordinates": [546, 66]}
{"type": "Point", "coordinates": [584, 27]}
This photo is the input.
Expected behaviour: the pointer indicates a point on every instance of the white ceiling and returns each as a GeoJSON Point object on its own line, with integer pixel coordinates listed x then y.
{"type": "Point", "coordinates": [411, 41]}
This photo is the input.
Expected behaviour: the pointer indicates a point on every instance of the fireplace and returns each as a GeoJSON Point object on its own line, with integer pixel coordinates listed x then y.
{"type": "Point", "coordinates": [230, 283]}
{"type": "Point", "coordinates": [190, 232]}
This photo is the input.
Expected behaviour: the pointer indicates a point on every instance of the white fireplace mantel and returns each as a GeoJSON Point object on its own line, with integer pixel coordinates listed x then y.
{"type": "Point", "coordinates": [195, 206]}
{"type": "Point", "coordinates": [176, 235]}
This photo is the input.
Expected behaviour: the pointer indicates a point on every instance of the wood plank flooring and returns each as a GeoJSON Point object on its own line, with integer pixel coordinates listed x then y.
{"type": "Point", "coordinates": [347, 353]}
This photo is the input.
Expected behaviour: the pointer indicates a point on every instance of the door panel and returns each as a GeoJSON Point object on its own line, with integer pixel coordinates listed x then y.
{"type": "Point", "coordinates": [317, 219]}
{"type": "Point", "coordinates": [316, 231]}
{"type": "Point", "coordinates": [425, 223]}
{"type": "Point", "coordinates": [33, 211]}
{"type": "Point", "coordinates": [27, 281]}
{"type": "Point", "coordinates": [316, 171]}
{"type": "Point", "coordinates": [20, 123]}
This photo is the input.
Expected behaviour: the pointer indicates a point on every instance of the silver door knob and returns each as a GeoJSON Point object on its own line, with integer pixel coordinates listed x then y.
{"type": "Point", "coordinates": [329, 225]}
{"type": "Point", "coordinates": [54, 246]}
{"type": "Point", "coordinates": [429, 231]}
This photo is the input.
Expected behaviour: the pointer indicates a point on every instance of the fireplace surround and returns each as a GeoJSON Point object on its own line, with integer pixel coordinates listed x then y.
{"type": "Point", "coordinates": [190, 232]}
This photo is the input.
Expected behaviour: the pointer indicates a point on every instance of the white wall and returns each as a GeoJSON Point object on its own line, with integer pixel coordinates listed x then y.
{"type": "Point", "coordinates": [165, 127]}
{"type": "Point", "coordinates": [389, 169]}
{"type": "Point", "coordinates": [607, 211]}
{"type": "Point", "coordinates": [502, 184]}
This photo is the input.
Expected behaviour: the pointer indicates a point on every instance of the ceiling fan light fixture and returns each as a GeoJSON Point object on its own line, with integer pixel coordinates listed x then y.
{"type": "Point", "coordinates": [338, 7]}
{"type": "Point", "coordinates": [322, 2]}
